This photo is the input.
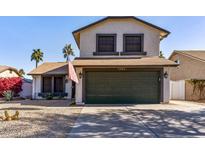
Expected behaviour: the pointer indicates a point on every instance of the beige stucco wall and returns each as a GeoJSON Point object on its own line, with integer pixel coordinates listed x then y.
{"type": "Point", "coordinates": [119, 27]}
{"type": "Point", "coordinates": [189, 68]}
{"type": "Point", "coordinates": [68, 88]}
{"type": "Point", "coordinates": [166, 84]}
{"type": "Point", "coordinates": [79, 88]}
{"type": "Point", "coordinates": [8, 74]}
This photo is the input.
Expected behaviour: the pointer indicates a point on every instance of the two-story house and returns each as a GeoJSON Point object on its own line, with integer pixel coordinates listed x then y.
{"type": "Point", "coordinates": [119, 63]}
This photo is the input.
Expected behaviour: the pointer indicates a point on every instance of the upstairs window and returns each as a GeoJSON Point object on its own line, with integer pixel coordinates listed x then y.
{"type": "Point", "coordinates": [106, 43]}
{"type": "Point", "coordinates": [133, 42]}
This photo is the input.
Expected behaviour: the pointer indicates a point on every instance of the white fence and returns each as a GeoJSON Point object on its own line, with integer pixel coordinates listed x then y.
{"type": "Point", "coordinates": [26, 90]}
{"type": "Point", "coordinates": [177, 90]}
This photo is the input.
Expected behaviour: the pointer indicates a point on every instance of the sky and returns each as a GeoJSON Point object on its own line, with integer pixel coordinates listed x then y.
{"type": "Point", "coordinates": [20, 35]}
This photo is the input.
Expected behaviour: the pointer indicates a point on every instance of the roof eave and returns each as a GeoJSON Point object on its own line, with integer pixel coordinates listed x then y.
{"type": "Point", "coordinates": [32, 74]}
{"type": "Point", "coordinates": [11, 68]}
{"type": "Point", "coordinates": [162, 65]}
{"type": "Point", "coordinates": [76, 40]}
{"type": "Point", "coordinates": [173, 53]}
{"type": "Point", "coordinates": [185, 54]}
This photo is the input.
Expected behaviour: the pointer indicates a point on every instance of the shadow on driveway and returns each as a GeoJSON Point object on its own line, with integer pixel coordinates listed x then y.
{"type": "Point", "coordinates": [130, 123]}
{"type": "Point", "coordinates": [173, 123]}
{"type": "Point", "coordinates": [109, 123]}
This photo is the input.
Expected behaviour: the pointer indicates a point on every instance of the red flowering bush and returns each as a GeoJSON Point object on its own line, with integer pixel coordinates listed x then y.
{"type": "Point", "coordinates": [14, 84]}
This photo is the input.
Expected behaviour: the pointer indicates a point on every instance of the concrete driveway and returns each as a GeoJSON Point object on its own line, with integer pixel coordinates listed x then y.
{"type": "Point", "coordinates": [177, 119]}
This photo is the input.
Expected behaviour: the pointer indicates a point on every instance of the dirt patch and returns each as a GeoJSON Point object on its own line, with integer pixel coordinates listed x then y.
{"type": "Point", "coordinates": [39, 119]}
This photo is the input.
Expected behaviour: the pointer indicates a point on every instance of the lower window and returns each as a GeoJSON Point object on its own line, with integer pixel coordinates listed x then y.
{"type": "Point", "coordinates": [47, 84]}
{"type": "Point", "coordinates": [53, 84]}
{"type": "Point", "coordinates": [58, 84]}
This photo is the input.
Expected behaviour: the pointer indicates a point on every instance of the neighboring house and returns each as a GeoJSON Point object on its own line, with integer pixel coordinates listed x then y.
{"type": "Point", "coordinates": [191, 66]}
{"type": "Point", "coordinates": [10, 72]}
{"type": "Point", "coordinates": [119, 63]}
{"type": "Point", "coordinates": [51, 77]}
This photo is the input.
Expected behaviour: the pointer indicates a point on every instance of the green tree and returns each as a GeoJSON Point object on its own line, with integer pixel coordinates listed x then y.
{"type": "Point", "coordinates": [37, 56]}
{"type": "Point", "coordinates": [68, 51]}
{"type": "Point", "coordinates": [21, 72]}
{"type": "Point", "coordinates": [161, 55]}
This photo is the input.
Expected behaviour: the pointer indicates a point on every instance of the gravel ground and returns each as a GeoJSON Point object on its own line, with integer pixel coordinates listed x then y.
{"type": "Point", "coordinates": [38, 119]}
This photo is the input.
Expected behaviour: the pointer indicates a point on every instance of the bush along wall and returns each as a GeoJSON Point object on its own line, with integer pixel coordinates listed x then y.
{"type": "Point", "coordinates": [14, 84]}
{"type": "Point", "coordinates": [198, 87]}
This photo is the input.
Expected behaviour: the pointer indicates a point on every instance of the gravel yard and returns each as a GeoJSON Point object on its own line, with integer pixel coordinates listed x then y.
{"type": "Point", "coordinates": [51, 119]}
{"type": "Point", "coordinates": [39, 119]}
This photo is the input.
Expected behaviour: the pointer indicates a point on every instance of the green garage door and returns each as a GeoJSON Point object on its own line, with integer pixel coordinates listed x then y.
{"type": "Point", "coordinates": [122, 87]}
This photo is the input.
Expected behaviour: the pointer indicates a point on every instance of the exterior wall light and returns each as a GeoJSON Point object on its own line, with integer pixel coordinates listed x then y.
{"type": "Point", "coordinates": [165, 75]}
{"type": "Point", "coordinates": [80, 75]}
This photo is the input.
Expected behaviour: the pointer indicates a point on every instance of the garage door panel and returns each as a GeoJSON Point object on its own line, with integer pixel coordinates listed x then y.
{"type": "Point", "coordinates": [118, 100]}
{"type": "Point", "coordinates": [122, 87]}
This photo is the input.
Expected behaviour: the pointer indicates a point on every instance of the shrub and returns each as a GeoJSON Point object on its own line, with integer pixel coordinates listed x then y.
{"type": "Point", "coordinates": [72, 103]}
{"type": "Point", "coordinates": [8, 95]}
{"type": "Point", "coordinates": [198, 85]}
{"type": "Point", "coordinates": [49, 96]}
{"type": "Point", "coordinates": [13, 84]}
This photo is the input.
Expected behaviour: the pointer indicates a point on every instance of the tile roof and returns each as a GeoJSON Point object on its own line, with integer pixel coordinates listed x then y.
{"type": "Point", "coordinates": [148, 61]}
{"type": "Point", "coordinates": [86, 62]}
{"type": "Point", "coordinates": [197, 54]}
{"type": "Point", "coordinates": [46, 67]}
{"type": "Point", "coordinates": [4, 68]}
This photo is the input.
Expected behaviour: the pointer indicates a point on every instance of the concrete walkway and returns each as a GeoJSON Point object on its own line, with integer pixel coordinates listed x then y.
{"type": "Point", "coordinates": [177, 119]}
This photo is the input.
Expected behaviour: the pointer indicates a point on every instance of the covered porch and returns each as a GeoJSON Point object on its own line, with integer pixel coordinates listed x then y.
{"type": "Point", "coordinates": [53, 86]}
{"type": "Point", "coordinates": [50, 81]}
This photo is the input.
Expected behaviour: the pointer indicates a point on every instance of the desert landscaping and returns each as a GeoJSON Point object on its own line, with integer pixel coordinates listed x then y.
{"type": "Point", "coordinates": [43, 119]}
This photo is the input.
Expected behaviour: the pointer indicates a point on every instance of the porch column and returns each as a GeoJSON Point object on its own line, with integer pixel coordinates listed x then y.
{"type": "Point", "coordinates": [36, 86]}
{"type": "Point", "coordinates": [79, 88]}
{"type": "Point", "coordinates": [68, 88]}
{"type": "Point", "coordinates": [166, 84]}
{"type": "Point", "coordinates": [33, 87]}
{"type": "Point", "coordinates": [52, 84]}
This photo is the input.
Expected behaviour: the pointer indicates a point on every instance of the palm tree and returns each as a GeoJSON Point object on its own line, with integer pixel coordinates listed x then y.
{"type": "Point", "coordinates": [21, 72]}
{"type": "Point", "coordinates": [37, 55]}
{"type": "Point", "coordinates": [68, 51]}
